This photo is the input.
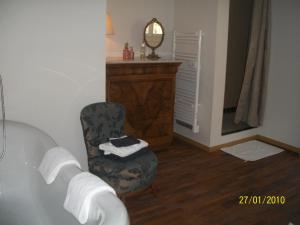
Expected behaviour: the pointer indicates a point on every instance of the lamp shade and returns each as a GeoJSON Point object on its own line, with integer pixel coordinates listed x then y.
{"type": "Point", "coordinates": [109, 27]}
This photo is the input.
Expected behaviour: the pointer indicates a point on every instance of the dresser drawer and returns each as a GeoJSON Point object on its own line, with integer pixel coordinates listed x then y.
{"type": "Point", "coordinates": [147, 91]}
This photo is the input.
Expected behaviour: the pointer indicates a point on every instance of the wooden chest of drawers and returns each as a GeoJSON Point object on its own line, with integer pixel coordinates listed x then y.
{"type": "Point", "coordinates": [147, 91]}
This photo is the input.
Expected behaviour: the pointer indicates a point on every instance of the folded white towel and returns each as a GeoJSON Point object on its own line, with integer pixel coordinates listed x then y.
{"type": "Point", "coordinates": [81, 190]}
{"type": "Point", "coordinates": [53, 161]}
{"type": "Point", "coordinates": [109, 148]}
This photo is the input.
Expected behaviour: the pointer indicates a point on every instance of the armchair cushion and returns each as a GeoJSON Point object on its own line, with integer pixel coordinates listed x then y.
{"type": "Point", "coordinates": [126, 175]}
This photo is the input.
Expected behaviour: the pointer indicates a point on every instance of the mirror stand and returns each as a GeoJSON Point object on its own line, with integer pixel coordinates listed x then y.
{"type": "Point", "coordinates": [153, 55]}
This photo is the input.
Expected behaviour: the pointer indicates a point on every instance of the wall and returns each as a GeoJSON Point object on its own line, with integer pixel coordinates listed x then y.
{"type": "Point", "coordinates": [212, 18]}
{"type": "Point", "coordinates": [129, 18]}
{"type": "Point", "coordinates": [216, 137]}
{"type": "Point", "coordinates": [52, 63]}
{"type": "Point", "coordinates": [281, 119]}
{"type": "Point", "coordinates": [282, 109]}
{"type": "Point", "coordinates": [190, 16]}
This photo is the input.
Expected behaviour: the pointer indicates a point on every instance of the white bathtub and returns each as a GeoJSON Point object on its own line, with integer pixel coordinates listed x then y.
{"type": "Point", "coordinates": [25, 198]}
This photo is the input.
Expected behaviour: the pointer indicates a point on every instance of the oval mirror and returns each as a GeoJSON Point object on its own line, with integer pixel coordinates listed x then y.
{"type": "Point", "coordinates": [153, 36]}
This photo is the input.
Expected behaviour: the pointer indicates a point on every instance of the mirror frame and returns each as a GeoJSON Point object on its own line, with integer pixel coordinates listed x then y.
{"type": "Point", "coordinates": [153, 55]}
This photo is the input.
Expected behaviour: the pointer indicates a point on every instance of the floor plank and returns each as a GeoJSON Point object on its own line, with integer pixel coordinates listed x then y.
{"type": "Point", "coordinates": [194, 187]}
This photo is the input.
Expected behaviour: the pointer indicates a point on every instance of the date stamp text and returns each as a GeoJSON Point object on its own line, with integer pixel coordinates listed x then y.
{"type": "Point", "coordinates": [262, 200]}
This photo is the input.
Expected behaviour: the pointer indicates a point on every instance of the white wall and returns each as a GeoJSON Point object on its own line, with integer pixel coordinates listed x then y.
{"type": "Point", "coordinates": [52, 63]}
{"type": "Point", "coordinates": [129, 18]}
{"type": "Point", "coordinates": [282, 104]}
{"type": "Point", "coordinates": [216, 137]}
{"type": "Point", "coordinates": [212, 18]}
{"type": "Point", "coordinates": [190, 16]}
{"type": "Point", "coordinates": [282, 110]}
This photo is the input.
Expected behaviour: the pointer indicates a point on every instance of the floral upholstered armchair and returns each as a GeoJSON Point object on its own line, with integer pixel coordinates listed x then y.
{"type": "Point", "coordinates": [101, 121]}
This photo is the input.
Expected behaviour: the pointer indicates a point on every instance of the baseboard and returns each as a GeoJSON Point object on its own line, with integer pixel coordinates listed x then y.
{"type": "Point", "coordinates": [214, 148]}
{"type": "Point", "coordinates": [228, 144]}
{"type": "Point", "coordinates": [261, 138]}
{"type": "Point", "coordinates": [279, 144]}
{"type": "Point", "coordinates": [191, 142]}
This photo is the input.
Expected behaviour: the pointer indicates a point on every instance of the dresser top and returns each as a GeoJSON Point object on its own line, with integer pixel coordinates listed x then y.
{"type": "Point", "coordinates": [117, 60]}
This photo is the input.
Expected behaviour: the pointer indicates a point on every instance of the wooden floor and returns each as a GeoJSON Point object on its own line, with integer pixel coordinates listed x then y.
{"type": "Point", "coordinates": [194, 187]}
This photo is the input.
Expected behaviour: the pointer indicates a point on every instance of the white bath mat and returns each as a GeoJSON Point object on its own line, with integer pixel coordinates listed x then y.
{"type": "Point", "coordinates": [252, 150]}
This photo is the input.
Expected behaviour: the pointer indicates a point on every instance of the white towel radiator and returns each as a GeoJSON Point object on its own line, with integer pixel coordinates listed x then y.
{"type": "Point", "coordinates": [187, 48]}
